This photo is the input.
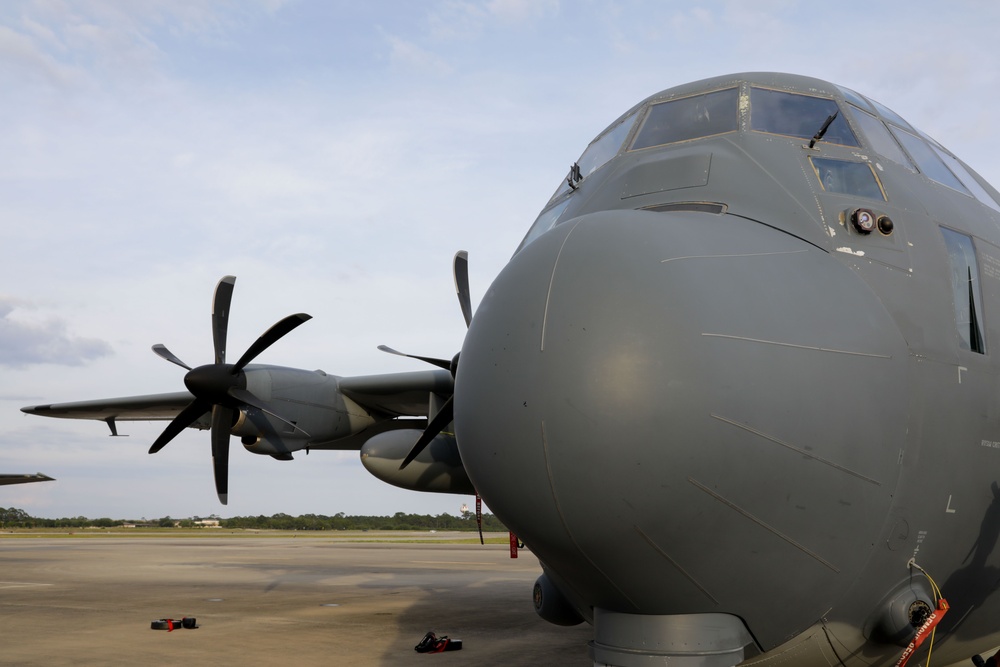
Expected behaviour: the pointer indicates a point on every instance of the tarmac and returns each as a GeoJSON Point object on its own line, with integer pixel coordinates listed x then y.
{"type": "Point", "coordinates": [258, 600]}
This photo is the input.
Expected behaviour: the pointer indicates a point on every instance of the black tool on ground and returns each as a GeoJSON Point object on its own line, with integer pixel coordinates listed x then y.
{"type": "Point", "coordinates": [171, 624]}
{"type": "Point", "coordinates": [431, 643]}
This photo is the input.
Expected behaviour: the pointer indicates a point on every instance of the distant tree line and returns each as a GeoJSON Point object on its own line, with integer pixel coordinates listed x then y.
{"type": "Point", "coordinates": [466, 521]}
{"type": "Point", "coordinates": [340, 521]}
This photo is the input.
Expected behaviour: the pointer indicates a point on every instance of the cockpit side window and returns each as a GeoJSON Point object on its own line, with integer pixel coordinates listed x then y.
{"type": "Point", "coordinates": [688, 118]}
{"type": "Point", "coordinates": [890, 115]}
{"type": "Point", "coordinates": [605, 147]}
{"type": "Point", "coordinates": [978, 191]}
{"type": "Point", "coordinates": [599, 152]}
{"type": "Point", "coordinates": [777, 112]}
{"type": "Point", "coordinates": [855, 99]}
{"type": "Point", "coordinates": [966, 290]}
{"type": "Point", "coordinates": [546, 221]}
{"type": "Point", "coordinates": [928, 160]}
{"type": "Point", "coordinates": [879, 137]}
{"type": "Point", "coordinates": [931, 159]}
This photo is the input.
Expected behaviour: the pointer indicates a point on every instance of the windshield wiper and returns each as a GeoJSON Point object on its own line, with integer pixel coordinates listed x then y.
{"type": "Point", "coordinates": [822, 130]}
{"type": "Point", "coordinates": [574, 178]}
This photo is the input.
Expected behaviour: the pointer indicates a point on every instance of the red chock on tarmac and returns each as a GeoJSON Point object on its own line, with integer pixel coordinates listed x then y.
{"type": "Point", "coordinates": [431, 643]}
{"type": "Point", "coordinates": [171, 624]}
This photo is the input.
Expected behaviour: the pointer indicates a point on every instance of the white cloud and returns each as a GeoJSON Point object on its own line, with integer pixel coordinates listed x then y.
{"type": "Point", "coordinates": [23, 60]}
{"type": "Point", "coordinates": [49, 342]}
{"type": "Point", "coordinates": [409, 56]}
{"type": "Point", "coordinates": [522, 11]}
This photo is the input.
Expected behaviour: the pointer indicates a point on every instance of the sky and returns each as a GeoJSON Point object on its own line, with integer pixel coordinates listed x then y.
{"type": "Point", "coordinates": [334, 156]}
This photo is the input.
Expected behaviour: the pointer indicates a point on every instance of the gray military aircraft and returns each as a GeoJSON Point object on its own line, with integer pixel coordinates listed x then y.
{"type": "Point", "coordinates": [13, 478]}
{"type": "Point", "coordinates": [738, 388]}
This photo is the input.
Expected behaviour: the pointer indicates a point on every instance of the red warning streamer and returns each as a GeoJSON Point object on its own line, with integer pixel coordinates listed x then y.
{"type": "Point", "coordinates": [924, 632]}
{"type": "Point", "coordinates": [479, 516]}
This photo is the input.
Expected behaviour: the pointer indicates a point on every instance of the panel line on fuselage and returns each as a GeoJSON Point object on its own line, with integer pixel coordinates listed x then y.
{"type": "Point", "coordinates": [552, 279]}
{"type": "Point", "coordinates": [798, 346]}
{"type": "Point", "coordinates": [747, 254]}
{"type": "Point", "coordinates": [676, 565]}
{"type": "Point", "coordinates": [763, 524]}
{"type": "Point", "coordinates": [565, 524]}
{"type": "Point", "coordinates": [797, 450]}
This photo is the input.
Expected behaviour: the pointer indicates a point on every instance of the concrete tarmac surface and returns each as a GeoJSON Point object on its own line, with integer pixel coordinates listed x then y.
{"type": "Point", "coordinates": [259, 600]}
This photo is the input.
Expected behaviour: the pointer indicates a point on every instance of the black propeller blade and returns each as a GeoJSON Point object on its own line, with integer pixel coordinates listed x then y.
{"type": "Point", "coordinates": [221, 388]}
{"type": "Point", "coordinates": [163, 352]}
{"type": "Point", "coordinates": [220, 316]}
{"type": "Point", "coordinates": [269, 338]}
{"type": "Point", "coordinates": [222, 421]}
{"type": "Point", "coordinates": [440, 363]}
{"type": "Point", "coordinates": [460, 270]}
{"type": "Point", "coordinates": [434, 427]}
{"type": "Point", "coordinates": [188, 415]}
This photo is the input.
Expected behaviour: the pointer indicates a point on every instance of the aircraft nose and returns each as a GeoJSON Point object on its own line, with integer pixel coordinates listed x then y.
{"type": "Point", "coordinates": [668, 407]}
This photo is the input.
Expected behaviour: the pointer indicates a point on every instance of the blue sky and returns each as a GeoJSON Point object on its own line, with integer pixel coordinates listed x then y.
{"type": "Point", "coordinates": [334, 156]}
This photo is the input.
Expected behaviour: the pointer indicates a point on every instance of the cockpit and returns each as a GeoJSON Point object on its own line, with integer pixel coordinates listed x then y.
{"type": "Point", "coordinates": [868, 132]}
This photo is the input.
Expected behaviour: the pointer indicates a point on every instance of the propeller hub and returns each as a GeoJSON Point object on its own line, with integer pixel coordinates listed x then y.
{"type": "Point", "coordinates": [212, 382]}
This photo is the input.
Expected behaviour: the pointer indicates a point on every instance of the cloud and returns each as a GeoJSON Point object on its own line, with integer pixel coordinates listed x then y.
{"type": "Point", "coordinates": [25, 343]}
{"type": "Point", "coordinates": [21, 58]}
{"type": "Point", "coordinates": [522, 11]}
{"type": "Point", "coordinates": [407, 54]}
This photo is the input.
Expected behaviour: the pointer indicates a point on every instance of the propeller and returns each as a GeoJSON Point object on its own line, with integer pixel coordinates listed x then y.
{"type": "Point", "coordinates": [460, 269]}
{"type": "Point", "coordinates": [444, 416]}
{"type": "Point", "coordinates": [221, 388]}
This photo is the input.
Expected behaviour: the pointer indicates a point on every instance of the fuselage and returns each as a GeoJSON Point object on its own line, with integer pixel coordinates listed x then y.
{"type": "Point", "coordinates": [730, 372]}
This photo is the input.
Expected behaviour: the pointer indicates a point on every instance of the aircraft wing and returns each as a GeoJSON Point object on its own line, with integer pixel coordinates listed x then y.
{"type": "Point", "coordinates": [150, 407]}
{"type": "Point", "coordinates": [385, 397]}
{"type": "Point", "coordinates": [24, 479]}
{"type": "Point", "coordinates": [393, 402]}
{"type": "Point", "coordinates": [397, 394]}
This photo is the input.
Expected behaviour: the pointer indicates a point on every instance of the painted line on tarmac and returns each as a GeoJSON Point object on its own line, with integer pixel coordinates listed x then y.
{"type": "Point", "coordinates": [21, 584]}
{"type": "Point", "coordinates": [450, 562]}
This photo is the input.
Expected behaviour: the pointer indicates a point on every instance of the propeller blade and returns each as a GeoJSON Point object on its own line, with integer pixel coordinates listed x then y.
{"type": "Point", "coordinates": [220, 316]}
{"type": "Point", "coordinates": [440, 363]}
{"type": "Point", "coordinates": [162, 352]}
{"type": "Point", "coordinates": [244, 396]}
{"type": "Point", "coordinates": [187, 416]}
{"type": "Point", "coordinates": [222, 422]}
{"type": "Point", "coordinates": [444, 417]}
{"type": "Point", "coordinates": [461, 271]}
{"type": "Point", "coordinates": [269, 338]}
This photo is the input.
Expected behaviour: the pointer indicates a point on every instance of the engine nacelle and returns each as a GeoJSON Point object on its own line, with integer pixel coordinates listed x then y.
{"type": "Point", "coordinates": [308, 410]}
{"type": "Point", "coordinates": [438, 468]}
{"type": "Point", "coordinates": [279, 448]}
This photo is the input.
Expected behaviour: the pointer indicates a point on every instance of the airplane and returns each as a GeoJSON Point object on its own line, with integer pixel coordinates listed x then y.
{"type": "Point", "coordinates": [12, 478]}
{"type": "Point", "coordinates": [738, 388]}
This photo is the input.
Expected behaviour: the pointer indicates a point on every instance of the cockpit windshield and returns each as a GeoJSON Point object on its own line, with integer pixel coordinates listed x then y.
{"type": "Point", "coordinates": [801, 116]}
{"type": "Point", "coordinates": [688, 118]}
{"type": "Point", "coordinates": [845, 122]}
